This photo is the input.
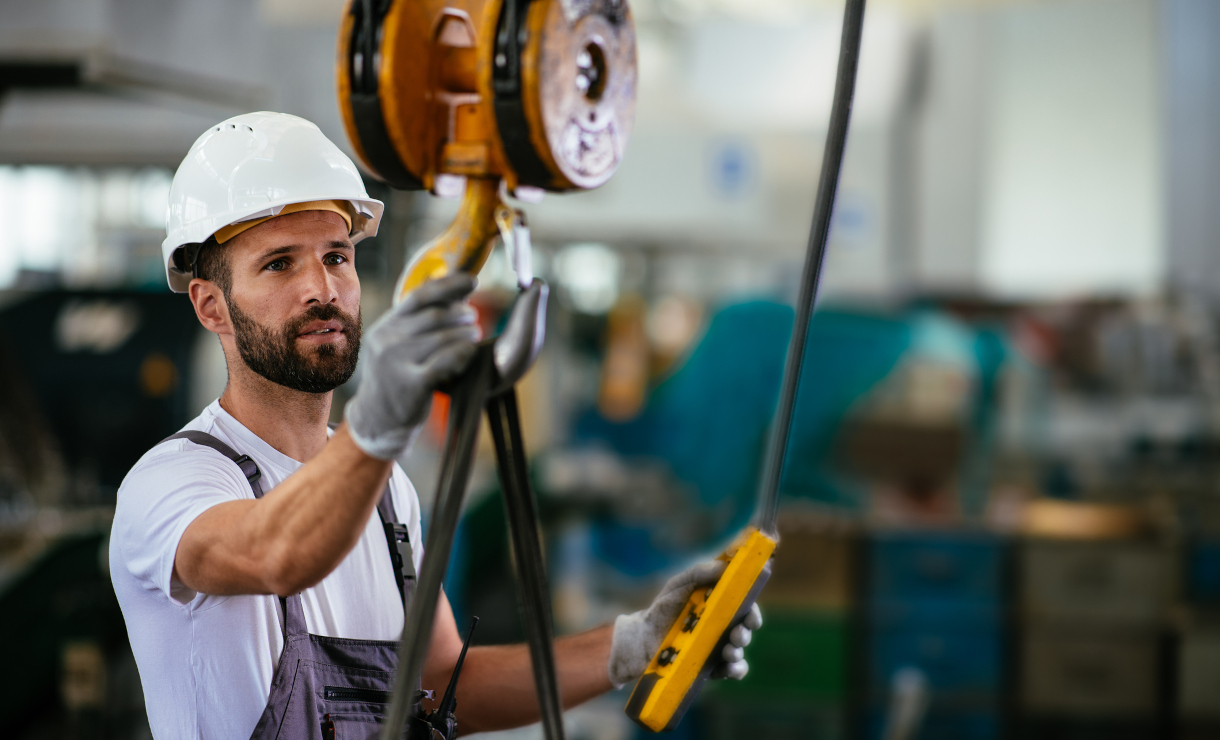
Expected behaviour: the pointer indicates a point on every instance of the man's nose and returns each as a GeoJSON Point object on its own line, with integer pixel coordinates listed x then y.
{"type": "Point", "coordinates": [320, 285]}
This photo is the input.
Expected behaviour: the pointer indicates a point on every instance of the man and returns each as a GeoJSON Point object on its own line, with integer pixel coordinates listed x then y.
{"type": "Point", "coordinates": [248, 552]}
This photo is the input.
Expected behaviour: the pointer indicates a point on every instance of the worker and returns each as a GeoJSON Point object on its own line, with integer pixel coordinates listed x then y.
{"type": "Point", "coordinates": [249, 552]}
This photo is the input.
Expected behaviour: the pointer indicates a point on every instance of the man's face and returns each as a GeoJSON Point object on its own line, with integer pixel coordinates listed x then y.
{"type": "Point", "coordinates": [294, 303]}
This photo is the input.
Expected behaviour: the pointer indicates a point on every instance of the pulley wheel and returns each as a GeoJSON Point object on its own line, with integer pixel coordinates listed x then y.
{"type": "Point", "coordinates": [577, 95]}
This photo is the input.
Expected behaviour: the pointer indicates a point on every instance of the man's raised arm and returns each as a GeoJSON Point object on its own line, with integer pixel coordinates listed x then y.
{"type": "Point", "coordinates": [294, 536]}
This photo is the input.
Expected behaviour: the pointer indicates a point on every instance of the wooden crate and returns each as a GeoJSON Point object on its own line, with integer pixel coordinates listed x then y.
{"type": "Point", "coordinates": [1199, 674]}
{"type": "Point", "coordinates": [1089, 671]}
{"type": "Point", "coordinates": [813, 565]}
{"type": "Point", "coordinates": [1128, 583]}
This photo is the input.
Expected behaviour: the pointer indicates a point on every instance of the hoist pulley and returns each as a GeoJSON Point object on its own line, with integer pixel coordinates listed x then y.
{"type": "Point", "coordinates": [540, 93]}
{"type": "Point", "coordinates": [536, 94]}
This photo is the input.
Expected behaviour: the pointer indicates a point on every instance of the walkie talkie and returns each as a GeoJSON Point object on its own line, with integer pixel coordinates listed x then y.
{"type": "Point", "coordinates": [442, 720]}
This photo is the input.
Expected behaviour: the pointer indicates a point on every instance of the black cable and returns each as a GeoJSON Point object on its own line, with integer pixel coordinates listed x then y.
{"type": "Point", "coordinates": [468, 396]}
{"type": "Point", "coordinates": [828, 184]}
{"type": "Point", "coordinates": [522, 514]}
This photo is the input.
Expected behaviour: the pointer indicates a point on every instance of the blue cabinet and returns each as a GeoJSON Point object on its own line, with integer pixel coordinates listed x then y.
{"type": "Point", "coordinates": [975, 724]}
{"type": "Point", "coordinates": [1203, 572]}
{"type": "Point", "coordinates": [958, 660]}
{"type": "Point", "coordinates": [927, 566]}
{"type": "Point", "coordinates": [935, 603]}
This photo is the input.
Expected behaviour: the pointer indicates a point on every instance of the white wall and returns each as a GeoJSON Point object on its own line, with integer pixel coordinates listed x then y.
{"type": "Point", "coordinates": [1038, 158]}
{"type": "Point", "coordinates": [1072, 181]}
{"type": "Point", "coordinates": [1192, 76]}
{"type": "Point", "coordinates": [950, 153]}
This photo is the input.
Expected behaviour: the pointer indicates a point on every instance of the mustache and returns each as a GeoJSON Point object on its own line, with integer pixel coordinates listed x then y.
{"type": "Point", "coordinates": [328, 312]}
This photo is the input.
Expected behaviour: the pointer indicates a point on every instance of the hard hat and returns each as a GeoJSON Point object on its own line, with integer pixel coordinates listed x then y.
{"type": "Point", "coordinates": [250, 167]}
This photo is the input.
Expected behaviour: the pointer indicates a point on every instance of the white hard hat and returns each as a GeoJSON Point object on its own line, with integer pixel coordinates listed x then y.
{"type": "Point", "coordinates": [250, 167]}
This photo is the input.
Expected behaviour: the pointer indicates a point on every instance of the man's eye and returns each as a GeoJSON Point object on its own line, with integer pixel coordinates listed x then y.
{"type": "Point", "coordinates": [334, 259]}
{"type": "Point", "coordinates": [277, 265]}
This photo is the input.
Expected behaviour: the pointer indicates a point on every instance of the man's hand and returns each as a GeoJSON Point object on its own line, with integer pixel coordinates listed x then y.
{"type": "Point", "coordinates": [734, 654]}
{"type": "Point", "coordinates": [420, 343]}
{"type": "Point", "coordinates": [638, 636]}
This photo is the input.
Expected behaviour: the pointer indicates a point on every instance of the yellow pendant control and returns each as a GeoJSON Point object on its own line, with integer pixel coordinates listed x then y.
{"type": "Point", "coordinates": [692, 647]}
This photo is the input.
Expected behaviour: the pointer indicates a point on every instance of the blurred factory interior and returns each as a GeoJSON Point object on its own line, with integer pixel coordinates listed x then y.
{"type": "Point", "coordinates": [1001, 508]}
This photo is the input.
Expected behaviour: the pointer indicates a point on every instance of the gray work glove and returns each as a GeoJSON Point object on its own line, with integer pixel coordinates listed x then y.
{"type": "Point", "coordinates": [418, 344]}
{"type": "Point", "coordinates": [638, 636]}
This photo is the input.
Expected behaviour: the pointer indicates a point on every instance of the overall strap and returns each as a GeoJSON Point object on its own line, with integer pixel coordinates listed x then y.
{"type": "Point", "coordinates": [291, 607]}
{"type": "Point", "coordinates": [399, 541]}
{"type": "Point", "coordinates": [248, 467]}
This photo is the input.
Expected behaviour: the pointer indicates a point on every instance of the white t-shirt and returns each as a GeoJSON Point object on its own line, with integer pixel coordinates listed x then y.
{"type": "Point", "coordinates": [206, 661]}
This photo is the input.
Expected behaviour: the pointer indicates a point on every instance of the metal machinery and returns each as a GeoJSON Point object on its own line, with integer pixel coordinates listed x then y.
{"type": "Point", "coordinates": [483, 98]}
{"type": "Point", "coordinates": [487, 97]}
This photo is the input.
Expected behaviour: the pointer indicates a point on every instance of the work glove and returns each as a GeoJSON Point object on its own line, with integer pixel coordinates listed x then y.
{"type": "Point", "coordinates": [422, 342]}
{"type": "Point", "coordinates": [638, 636]}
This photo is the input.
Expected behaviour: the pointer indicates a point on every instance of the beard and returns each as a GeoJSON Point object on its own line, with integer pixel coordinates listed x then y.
{"type": "Point", "coordinates": [275, 356]}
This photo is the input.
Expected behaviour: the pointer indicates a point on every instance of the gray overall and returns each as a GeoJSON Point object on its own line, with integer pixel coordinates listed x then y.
{"type": "Point", "coordinates": [326, 688]}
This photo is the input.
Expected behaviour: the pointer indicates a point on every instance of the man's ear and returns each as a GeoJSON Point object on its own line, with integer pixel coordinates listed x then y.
{"type": "Point", "coordinates": [210, 306]}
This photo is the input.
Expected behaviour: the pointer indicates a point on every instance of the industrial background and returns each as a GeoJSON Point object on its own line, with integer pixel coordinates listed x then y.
{"type": "Point", "coordinates": [1001, 507]}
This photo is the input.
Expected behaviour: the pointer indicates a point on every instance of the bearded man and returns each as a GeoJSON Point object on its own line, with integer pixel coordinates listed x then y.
{"type": "Point", "coordinates": [257, 555]}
